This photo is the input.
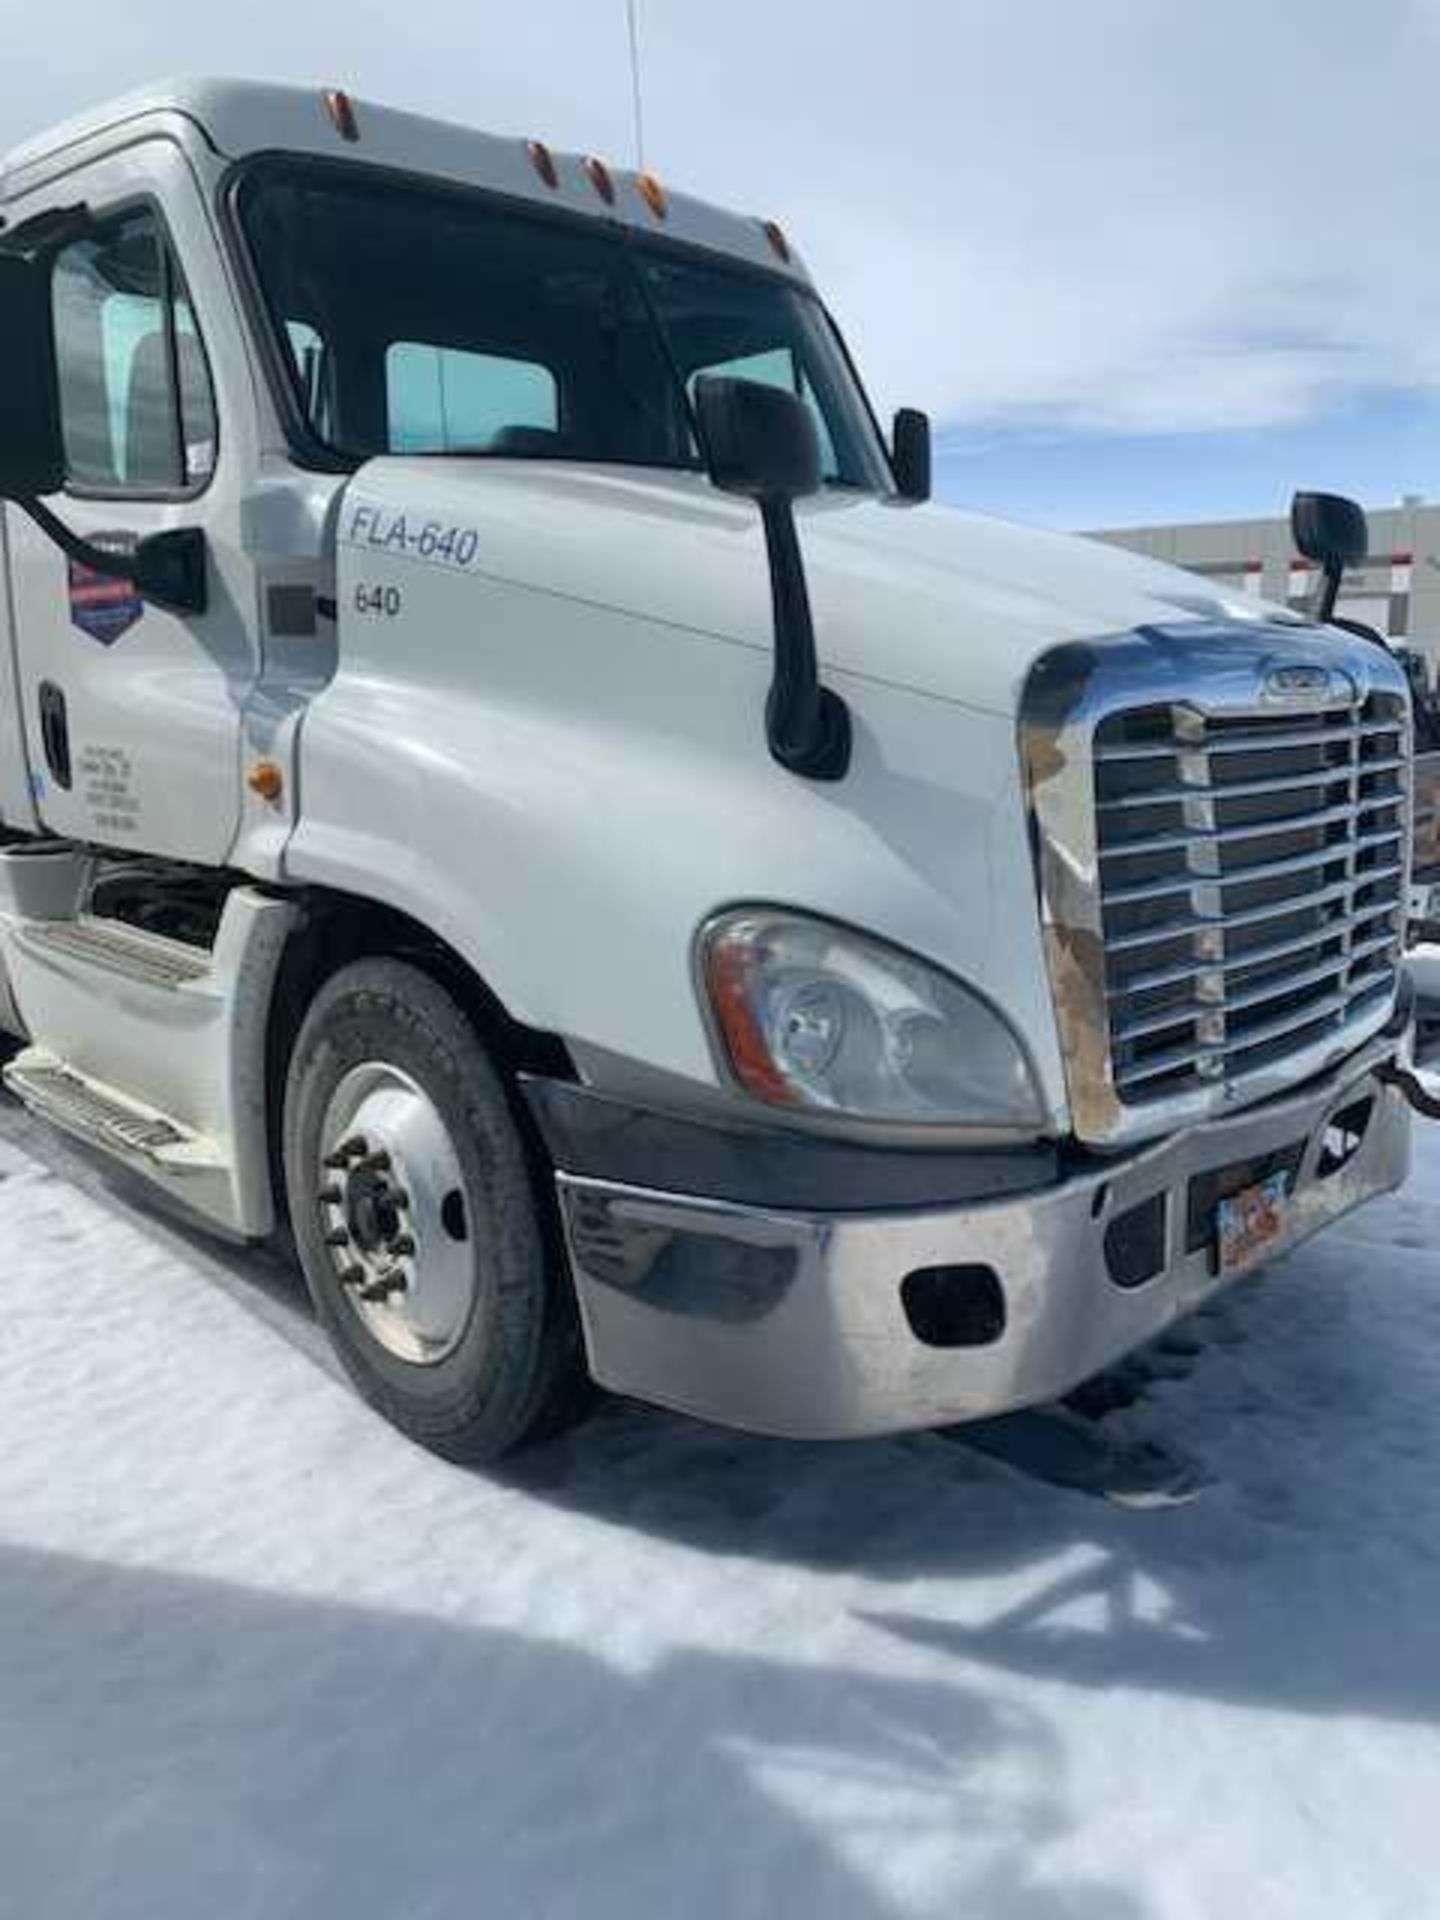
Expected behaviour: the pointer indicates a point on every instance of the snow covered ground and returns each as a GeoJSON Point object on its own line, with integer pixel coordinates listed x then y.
{"type": "Point", "coordinates": [259, 1657]}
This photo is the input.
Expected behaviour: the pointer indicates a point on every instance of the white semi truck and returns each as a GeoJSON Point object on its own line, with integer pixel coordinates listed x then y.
{"type": "Point", "coordinates": [506, 778]}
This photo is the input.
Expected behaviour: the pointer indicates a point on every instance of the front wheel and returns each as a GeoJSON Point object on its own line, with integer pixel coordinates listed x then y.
{"type": "Point", "coordinates": [416, 1218]}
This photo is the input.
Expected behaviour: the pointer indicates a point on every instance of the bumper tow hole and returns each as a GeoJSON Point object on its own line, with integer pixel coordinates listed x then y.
{"type": "Point", "coordinates": [960, 1306]}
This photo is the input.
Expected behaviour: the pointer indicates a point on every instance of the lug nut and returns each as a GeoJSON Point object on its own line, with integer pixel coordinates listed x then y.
{"type": "Point", "coordinates": [338, 1237]}
{"type": "Point", "coordinates": [383, 1285]}
{"type": "Point", "coordinates": [331, 1196]}
{"type": "Point", "coordinates": [402, 1245]}
{"type": "Point", "coordinates": [346, 1152]}
{"type": "Point", "coordinates": [375, 1163]}
{"type": "Point", "coordinates": [351, 1276]}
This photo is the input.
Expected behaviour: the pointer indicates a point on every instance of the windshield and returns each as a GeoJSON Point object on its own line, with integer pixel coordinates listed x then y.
{"type": "Point", "coordinates": [415, 319]}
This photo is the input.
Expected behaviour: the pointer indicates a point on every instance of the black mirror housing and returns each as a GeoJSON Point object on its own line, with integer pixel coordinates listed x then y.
{"type": "Point", "coordinates": [1334, 533]}
{"type": "Point", "coordinates": [759, 441]}
{"type": "Point", "coordinates": [1329, 529]}
{"type": "Point", "coordinates": [32, 453]}
{"type": "Point", "coordinates": [910, 457]}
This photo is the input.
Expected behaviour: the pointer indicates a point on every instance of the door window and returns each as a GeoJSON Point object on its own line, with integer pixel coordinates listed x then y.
{"type": "Point", "coordinates": [136, 405]}
{"type": "Point", "coordinates": [448, 400]}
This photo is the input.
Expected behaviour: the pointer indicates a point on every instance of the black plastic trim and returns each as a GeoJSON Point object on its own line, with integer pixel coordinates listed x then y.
{"type": "Point", "coordinates": [599, 1137]}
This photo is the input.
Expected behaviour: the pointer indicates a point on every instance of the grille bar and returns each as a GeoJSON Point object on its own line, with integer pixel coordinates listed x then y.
{"type": "Point", "coordinates": [1336, 854]}
{"type": "Point", "coordinates": [1137, 1025]}
{"type": "Point", "coordinates": [1252, 789]}
{"type": "Point", "coordinates": [1259, 830]}
{"type": "Point", "coordinates": [1238, 741]}
{"type": "Point", "coordinates": [1134, 983]}
{"type": "Point", "coordinates": [1253, 917]}
{"type": "Point", "coordinates": [1251, 871]}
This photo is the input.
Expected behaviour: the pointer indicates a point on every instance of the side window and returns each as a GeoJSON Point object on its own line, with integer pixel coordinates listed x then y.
{"type": "Point", "coordinates": [136, 405]}
{"type": "Point", "coordinates": [445, 400]}
{"type": "Point", "coordinates": [777, 367]}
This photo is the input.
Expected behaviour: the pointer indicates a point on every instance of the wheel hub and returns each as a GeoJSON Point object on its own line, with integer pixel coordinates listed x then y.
{"type": "Point", "coordinates": [390, 1191]}
{"type": "Point", "coordinates": [372, 1210]}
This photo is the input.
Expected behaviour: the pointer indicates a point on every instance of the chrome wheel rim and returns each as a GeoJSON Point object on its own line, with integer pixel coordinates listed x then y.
{"type": "Point", "coordinates": [394, 1214]}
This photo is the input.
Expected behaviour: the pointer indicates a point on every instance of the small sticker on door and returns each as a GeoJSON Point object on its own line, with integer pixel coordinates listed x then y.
{"type": "Point", "coordinates": [101, 605]}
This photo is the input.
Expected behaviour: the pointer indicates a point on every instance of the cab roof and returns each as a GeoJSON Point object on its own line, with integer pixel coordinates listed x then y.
{"type": "Point", "coordinates": [236, 118]}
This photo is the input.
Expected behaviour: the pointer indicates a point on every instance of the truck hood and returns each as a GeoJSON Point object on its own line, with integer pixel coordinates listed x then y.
{"type": "Point", "coordinates": [940, 601]}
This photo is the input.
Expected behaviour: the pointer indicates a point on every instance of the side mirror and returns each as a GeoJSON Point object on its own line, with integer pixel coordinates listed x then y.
{"type": "Point", "coordinates": [910, 453]}
{"type": "Point", "coordinates": [1334, 533]}
{"type": "Point", "coordinates": [32, 455]}
{"type": "Point", "coordinates": [168, 568]}
{"type": "Point", "coordinates": [760, 442]}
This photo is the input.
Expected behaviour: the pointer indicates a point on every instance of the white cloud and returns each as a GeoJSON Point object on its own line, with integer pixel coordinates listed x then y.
{"type": "Point", "coordinates": [1087, 213]}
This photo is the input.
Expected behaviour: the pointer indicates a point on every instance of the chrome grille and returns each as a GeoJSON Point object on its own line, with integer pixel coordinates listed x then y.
{"type": "Point", "coordinates": [1251, 884]}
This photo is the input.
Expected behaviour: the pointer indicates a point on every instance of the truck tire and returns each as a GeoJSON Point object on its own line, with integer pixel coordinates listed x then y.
{"type": "Point", "coordinates": [418, 1223]}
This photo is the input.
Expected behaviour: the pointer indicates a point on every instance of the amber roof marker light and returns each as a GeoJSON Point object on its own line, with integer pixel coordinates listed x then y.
{"type": "Point", "coordinates": [340, 112]}
{"type": "Point", "coordinates": [598, 175]}
{"type": "Point", "coordinates": [543, 162]}
{"type": "Point", "coordinates": [775, 234]}
{"type": "Point", "coordinates": [653, 194]}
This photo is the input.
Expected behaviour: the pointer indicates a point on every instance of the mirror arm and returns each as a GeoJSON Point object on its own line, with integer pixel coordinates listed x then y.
{"type": "Point", "coordinates": [114, 566]}
{"type": "Point", "coordinates": [167, 568]}
{"type": "Point", "coordinates": [807, 725]}
{"type": "Point", "coordinates": [1329, 593]}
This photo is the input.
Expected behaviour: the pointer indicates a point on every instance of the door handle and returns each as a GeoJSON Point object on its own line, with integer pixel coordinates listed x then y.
{"type": "Point", "coordinates": [55, 733]}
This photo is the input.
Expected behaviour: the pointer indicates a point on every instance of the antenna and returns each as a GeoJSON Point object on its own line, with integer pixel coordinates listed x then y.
{"type": "Point", "coordinates": [636, 101]}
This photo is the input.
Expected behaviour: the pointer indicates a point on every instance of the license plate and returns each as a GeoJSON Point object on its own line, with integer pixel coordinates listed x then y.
{"type": "Point", "coordinates": [1250, 1223]}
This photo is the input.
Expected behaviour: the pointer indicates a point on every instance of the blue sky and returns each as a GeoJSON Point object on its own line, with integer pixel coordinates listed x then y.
{"type": "Point", "coordinates": [1377, 447]}
{"type": "Point", "coordinates": [1140, 259]}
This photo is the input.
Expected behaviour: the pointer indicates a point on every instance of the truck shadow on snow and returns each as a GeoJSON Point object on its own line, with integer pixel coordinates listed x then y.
{"type": "Point", "coordinates": [1307, 1580]}
{"type": "Point", "coordinates": [175, 1746]}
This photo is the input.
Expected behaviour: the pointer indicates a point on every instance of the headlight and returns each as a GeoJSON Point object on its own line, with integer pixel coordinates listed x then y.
{"type": "Point", "coordinates": [816, 1016]}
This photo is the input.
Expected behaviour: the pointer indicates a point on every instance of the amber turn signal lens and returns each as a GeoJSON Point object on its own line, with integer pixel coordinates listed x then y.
{"type": "Point", "coordinates": [266, 780]}
{"type": "Point", "coordinates": [779, 245]}
{"type": "Point", "coordinates": [727, 977]}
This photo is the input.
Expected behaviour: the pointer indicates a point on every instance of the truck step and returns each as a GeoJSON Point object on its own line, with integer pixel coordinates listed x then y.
{"type": "Point", "coordinates": [114, 947]}
{"type": "Point", "coordinates": [107, 1119]}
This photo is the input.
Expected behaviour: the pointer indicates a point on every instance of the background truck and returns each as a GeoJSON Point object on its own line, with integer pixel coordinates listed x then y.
{"type": "Point", "coordinates": [506, 778]}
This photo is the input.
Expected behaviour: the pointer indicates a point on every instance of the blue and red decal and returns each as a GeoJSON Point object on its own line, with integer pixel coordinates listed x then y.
{"type": "Point", "coordinates": [102, 606]}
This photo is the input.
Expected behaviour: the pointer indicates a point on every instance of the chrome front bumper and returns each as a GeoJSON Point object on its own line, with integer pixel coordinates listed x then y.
{"type": "Point", "coordinates": [795, 1323]}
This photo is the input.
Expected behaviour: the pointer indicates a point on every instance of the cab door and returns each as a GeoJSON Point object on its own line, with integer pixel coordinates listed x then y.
{"type": "Point", "coordinates": [132, 712]}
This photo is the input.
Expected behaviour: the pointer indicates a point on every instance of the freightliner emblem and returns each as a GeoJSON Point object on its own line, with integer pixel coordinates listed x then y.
{"type": "Point", "coordinates": [1305, 684]}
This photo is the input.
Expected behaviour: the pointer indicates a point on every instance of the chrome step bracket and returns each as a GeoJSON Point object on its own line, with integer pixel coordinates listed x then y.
{"type": "Point", "coordinates": [108, 1120]}
{"type": "Point", "coordinates": [115, 947]}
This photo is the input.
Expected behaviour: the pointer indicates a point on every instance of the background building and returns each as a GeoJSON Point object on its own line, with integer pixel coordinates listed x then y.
{"type": "Point", "coordinates": [1397, 591]}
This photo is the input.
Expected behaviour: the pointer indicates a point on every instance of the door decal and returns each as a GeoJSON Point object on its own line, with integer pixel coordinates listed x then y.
{"type": "Point", "coordinates": [101, 606]}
